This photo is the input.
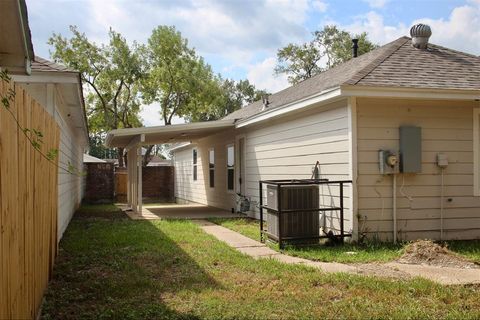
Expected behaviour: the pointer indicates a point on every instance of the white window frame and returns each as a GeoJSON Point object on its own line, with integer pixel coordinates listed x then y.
{"type": "Point", "coordinates": [194, 165]}
{"type": "Point", "coordinates": [476, 152]}
{"type": "Point", "coordinates": [231, 145]}
{"type": "Point", "coordinates": [211, 169]}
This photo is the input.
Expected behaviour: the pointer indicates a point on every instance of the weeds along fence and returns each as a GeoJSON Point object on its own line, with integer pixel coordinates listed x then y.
{"type": "Point", "coordinates": [28, 205]}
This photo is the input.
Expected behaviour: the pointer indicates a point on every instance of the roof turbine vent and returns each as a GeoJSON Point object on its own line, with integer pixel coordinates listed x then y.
{"type": "Point", "coordinates": [420, 34]}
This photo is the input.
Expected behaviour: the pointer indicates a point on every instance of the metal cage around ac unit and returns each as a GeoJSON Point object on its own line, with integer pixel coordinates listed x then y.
{"type": "Point", "coordinates": [295, 222]}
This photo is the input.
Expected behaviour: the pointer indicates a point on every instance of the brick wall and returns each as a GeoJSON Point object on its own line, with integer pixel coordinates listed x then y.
{"type": "Point", "coordinates": [157, 184]}
{"type": "Point", "coordinates": [99, 183]}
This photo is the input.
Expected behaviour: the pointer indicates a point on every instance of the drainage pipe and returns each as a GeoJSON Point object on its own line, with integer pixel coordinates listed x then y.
{"type": "Point", "coordinates": [442, 186]}
{"type": "Point", "coordinates": [394, 207]}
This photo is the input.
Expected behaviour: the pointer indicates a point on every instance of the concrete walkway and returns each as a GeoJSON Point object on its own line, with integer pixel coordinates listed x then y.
{"type": "Point", "coordinates": [258, 250]}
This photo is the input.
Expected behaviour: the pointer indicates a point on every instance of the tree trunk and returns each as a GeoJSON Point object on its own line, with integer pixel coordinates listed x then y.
{"type": "Point", "coordinates": [148, 156]}
{"type": "Point", "coordinates": [120, 157]}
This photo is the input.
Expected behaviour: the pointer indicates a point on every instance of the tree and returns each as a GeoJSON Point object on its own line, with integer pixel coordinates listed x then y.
{"type": "Point", "coordinates": [97, 147]}
{"type": "Point", "coordinates": [111, 73]}
{"type": "Point", "coordinates": [328, 48]}
{"type": "Point", "coordinates": [231, 95]}
{"type": "Point", "coordinates": [179, 80]}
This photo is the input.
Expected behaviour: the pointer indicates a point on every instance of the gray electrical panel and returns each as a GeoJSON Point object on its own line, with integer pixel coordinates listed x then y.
{"type": "Point", "coordinates": [410, 149]}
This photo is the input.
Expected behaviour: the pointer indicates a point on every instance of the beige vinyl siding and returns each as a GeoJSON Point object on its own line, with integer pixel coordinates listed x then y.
{"type": "Point", "coordinates": [187, 190]}
{"type": "Point", "coordinates": [70, 191]}
{"type": "Point", "coordinates": [289, 147]}
{"type": "Point", "coordinates": [446, 128]}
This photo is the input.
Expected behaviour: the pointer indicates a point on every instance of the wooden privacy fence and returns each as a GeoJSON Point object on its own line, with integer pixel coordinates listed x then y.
{"type": "Point", "coordinates": [28, 206]}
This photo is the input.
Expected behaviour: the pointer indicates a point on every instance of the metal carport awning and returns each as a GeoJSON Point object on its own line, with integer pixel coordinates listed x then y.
{"type": "Point", "coordinates": [132, 140]}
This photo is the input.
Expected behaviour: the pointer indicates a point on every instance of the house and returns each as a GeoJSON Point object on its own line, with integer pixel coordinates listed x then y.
{"type": "Point", "coordinates": [59, 91]}
{"type": "Point", "coordinates": [402, 122]}
{"type": "Point", "coordinates": [43, 134]}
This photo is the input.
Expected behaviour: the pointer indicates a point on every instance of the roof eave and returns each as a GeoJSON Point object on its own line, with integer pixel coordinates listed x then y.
{"type": "Point", "coordinates": [27, 36]}
{"type": "Point", "coordinates": [409, 93]}
{"type": "Point", "coordinates": [323, 97]}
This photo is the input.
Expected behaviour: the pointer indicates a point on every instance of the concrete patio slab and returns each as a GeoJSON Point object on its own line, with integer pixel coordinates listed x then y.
{"type": "Point", "coordinates": [179, 211]}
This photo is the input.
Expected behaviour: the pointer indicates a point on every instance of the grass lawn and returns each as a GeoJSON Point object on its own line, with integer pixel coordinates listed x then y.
{"type": "Point", "coordinates": [368, 252]}
{"type": "Point", "coordinates": [111, 267]}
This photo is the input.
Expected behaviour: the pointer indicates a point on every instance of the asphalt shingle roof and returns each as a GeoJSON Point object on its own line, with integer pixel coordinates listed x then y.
{"type": "Point", "coordinates": [41, 64]}
{"type": "Point", "coordinates": [396, 64]}
{"type": "Point", "coordinates": [434, 68]}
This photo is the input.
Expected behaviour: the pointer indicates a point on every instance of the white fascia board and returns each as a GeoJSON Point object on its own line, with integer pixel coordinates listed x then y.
{"type": "Point", "coordinates": [172, 128]}
{"type": "Point", "coordinates": [47, 77]}
{"type": "Point", "coordinates": [322, 97]}
{"type": "Point", "coordinates": [409, 93]}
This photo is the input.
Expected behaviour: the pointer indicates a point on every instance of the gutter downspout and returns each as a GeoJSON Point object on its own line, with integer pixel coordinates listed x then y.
{"type": "Point", "coordinates": [394, 209]}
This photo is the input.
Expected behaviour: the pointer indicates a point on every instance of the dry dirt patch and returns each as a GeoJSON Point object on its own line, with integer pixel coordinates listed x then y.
{"type": "Point", "coordinates": [430, 253]}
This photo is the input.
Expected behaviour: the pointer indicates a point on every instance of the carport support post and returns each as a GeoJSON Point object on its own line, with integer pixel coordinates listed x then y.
{"type": "Point", "coordinates": [134, 169]}
{"type": "Point", "coordinates": [139, 164]}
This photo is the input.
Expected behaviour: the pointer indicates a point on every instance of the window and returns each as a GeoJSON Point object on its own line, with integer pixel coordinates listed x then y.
{"type": "Point", "coordinates": [211, 167]}
{"type": "Point", "coordinates": [194, 155]}
{"type": "Point", "coordinates": [230, 167]}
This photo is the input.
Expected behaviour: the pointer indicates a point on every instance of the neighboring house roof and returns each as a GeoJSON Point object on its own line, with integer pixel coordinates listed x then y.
{"type": "Point", "coordinates": [396, 64]}
{"type": "Point", "coordinates": [156, 161]}
{"type": "Point", "coordinates": [91, 159]}
{"type": "Point", "coordinates": [41, 64]}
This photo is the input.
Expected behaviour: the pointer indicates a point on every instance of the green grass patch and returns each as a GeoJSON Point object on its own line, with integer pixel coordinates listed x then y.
{"type": "Point", "coordinates": [98, 208]}
{"type": "Point", "coordinates": [171, 269]}
{"type": "Point", "coordinates": [99, 211]}
{"type": "Point", "coordinates": [469, 249]}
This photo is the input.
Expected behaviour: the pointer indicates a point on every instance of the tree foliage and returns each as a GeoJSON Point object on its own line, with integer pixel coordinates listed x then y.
{"type": "Point", "coordinates": [231, 95]}
{"type": "Point", "coordinates": [111, 72]}
{"type": "Point", "coordinates": [328, 48]}
{"type": "Point", "coordinates": [176, 78]}
{"type": "Point", "coordinates": [97, 147]}
{"type": "Point", "coordinates": [120, 78]}
{"type": "Point", "coordinates": [184, 84]}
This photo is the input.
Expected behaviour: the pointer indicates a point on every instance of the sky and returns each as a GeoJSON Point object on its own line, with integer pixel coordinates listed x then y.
{"type": "Point", "coordinates": [240, 38]}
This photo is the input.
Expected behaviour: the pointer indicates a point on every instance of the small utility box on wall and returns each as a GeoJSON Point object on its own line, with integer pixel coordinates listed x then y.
{"type": "Point", "coordinates": [410, 149]}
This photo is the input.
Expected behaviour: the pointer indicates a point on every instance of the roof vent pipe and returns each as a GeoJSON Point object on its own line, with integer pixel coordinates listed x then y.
{"type": "Point", "coordinates": [265, 102]}
{"type": "Point", "coordinates": [420, 34]}
{"type": "Point", "coordinates": [355, 48]}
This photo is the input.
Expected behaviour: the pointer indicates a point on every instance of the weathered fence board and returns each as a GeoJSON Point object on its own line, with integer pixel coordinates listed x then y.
{"type": "Point", "coordinates": [28, 206]}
